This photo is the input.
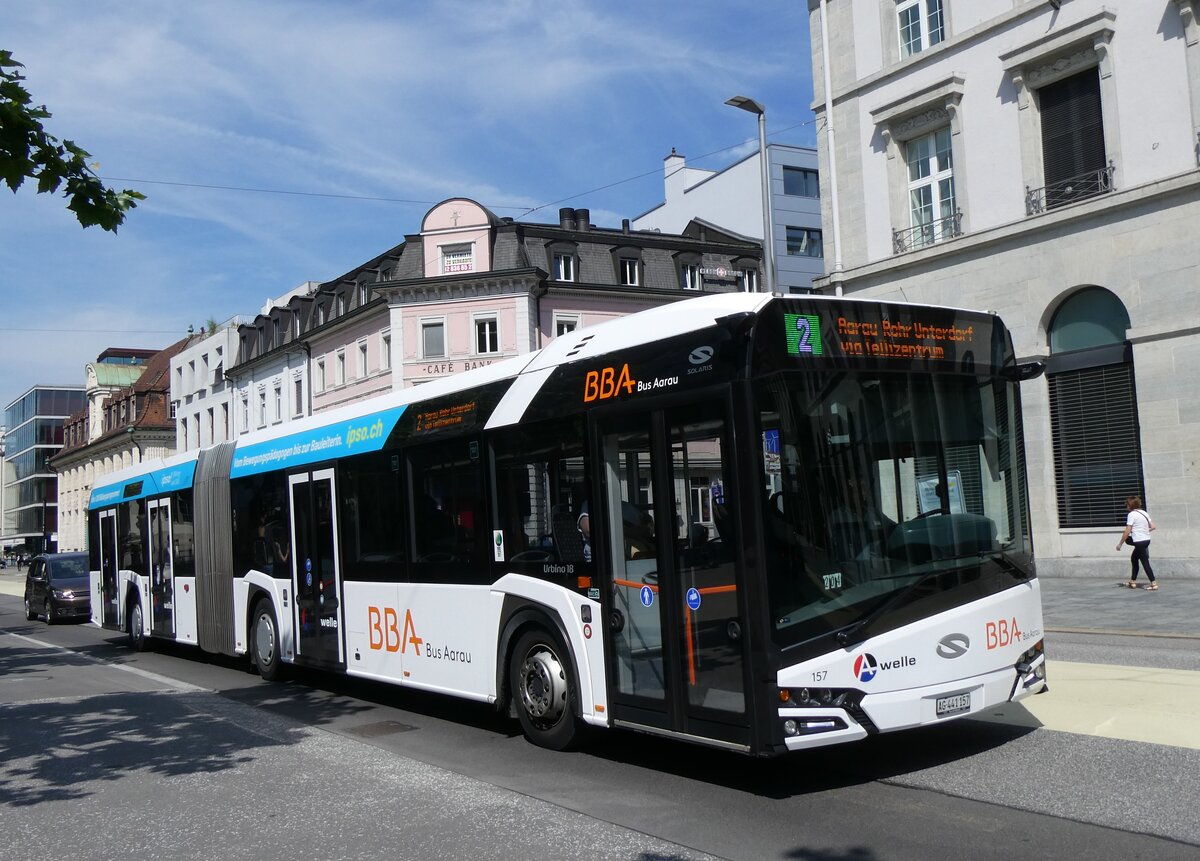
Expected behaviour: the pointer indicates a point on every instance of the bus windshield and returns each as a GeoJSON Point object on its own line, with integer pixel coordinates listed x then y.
{"type": "Point", "coordinates": [889, 495]}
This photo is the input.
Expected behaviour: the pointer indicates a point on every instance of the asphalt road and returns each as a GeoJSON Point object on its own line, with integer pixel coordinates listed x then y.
{"type": "Point", "coordinates": [172, 754]}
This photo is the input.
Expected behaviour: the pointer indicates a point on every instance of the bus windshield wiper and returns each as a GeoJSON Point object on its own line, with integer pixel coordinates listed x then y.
{"type": "Point", "coordinates": [850, 635]}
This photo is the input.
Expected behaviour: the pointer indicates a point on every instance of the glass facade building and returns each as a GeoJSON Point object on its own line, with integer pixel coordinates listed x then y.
{"type": "Point", "coordinates": [34, 434]}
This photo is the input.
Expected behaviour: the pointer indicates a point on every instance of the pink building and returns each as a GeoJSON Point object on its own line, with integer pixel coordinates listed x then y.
{"type": "Point", "coordinates": [471, 288]}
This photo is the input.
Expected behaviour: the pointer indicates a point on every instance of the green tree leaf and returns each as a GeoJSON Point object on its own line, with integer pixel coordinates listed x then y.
{"type": "Point", "coordinates": [27, 151]}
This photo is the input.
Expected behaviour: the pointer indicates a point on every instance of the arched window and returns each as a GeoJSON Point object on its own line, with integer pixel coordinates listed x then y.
{"type": "Point", "coordinates": [1093, 410]}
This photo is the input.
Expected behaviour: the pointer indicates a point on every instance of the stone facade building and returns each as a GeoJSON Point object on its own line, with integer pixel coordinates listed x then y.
{"type": "Point", "coordinates": [1038, 158]}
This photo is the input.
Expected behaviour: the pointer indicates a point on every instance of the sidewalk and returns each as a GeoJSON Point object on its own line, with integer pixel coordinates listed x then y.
{"type": "Point", "coordinates": [1105, 604]}
{"type": "Point", "coordinates": [1069, 605]}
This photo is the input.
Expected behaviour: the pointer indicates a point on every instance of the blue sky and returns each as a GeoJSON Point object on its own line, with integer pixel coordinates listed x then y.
{"type": "Point", "coordinates": [371, 112]}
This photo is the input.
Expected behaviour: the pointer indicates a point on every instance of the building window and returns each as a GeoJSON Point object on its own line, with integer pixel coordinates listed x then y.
{"type": "Point", "coordinates": [433, 339]}
{"type": "Point", "coordinates": [320, 382]}
{"type": "Point", "coordinates": [262, 408]}
{"type": "Point", "coordinates": [804, 242]}
{"type": "Point", "coordinates": [363, 290]}
{"type": "Point", "coordinates": [298, 406]}
{"type": "Point", "coordinates": [565, 324]}
{"type": "Point", "coordinates": [183, 432]}
{"type": "Point", "coordinates": [921, 25]}
{"type": "Point", "coordinates": [1093, 411]}
{"type": "Point", "coordinates": [930, 188]}
{"type": "Point", "coordinates": [362, 359]}
{"type": "Point", "coordinates": [1074, 160]}
{"type": "Point", "coordinates": [627, 271]}
{"type": "Point", "coordinates": [748, 280]}
{"type": "Point", "coordinates": [339, 368]}
{"type": "Point", "coordinates": [385, 350]}
{"type": "Point", "coordinates": [564, 267]}
{"type": "Point", "coordinates": [487, 336]}
{"type": "Point", "coordinates": [296, 324]}
{"type": "Point", "coordinates": [245, 413]}
{"type": "Point", "coordinates": [457, 258]}
{"type": "Point", "coordinates": [320, 315]}
{"type": "Point", "coordinates": [279, 403]}
{"type": "Point", "coordinates": [689, 276]}
{"type": "Point", "coordinates": [174, 407]}
{"type": "Point", "coordinates": [801, 182]}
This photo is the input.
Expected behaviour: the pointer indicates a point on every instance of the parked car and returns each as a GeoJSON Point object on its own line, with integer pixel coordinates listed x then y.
{"type": "Point", "coordinates": [57, 587]}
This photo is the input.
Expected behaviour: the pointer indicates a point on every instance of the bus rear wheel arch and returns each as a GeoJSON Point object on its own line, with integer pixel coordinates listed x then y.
{"type": "Point", "coordinates": [543, 689]}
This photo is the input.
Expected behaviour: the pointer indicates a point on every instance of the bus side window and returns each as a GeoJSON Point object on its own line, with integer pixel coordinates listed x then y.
{"type": "Point", "coordinates": [446, 510]}
{"type": "Point", "coordinates": [540, 493]}
{"type": "Point", "coordinates": [372, 504]}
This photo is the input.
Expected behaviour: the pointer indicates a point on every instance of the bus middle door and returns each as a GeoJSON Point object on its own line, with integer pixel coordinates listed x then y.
{"type": "Point", "coordinates": [314, 555]}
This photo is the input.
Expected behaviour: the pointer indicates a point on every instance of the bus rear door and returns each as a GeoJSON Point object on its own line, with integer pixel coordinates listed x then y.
{"type": "Point", "coordinates": [162, 583]}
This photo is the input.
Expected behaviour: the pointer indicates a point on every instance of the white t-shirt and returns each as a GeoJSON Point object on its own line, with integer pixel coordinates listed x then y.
{"type": "Point", "coordinates": [1140, 521]}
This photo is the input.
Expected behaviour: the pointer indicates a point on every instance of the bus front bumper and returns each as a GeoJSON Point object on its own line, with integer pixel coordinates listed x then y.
{"type": "Point", "coordinates": [913, 707]}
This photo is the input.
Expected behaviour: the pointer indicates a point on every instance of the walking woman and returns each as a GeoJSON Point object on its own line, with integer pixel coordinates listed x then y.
{"type": "Point", "coordinates": [1138, 527]}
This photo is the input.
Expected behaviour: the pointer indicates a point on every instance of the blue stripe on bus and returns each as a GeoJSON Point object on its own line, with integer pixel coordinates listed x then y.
{"type": "Point", "coordinates": [165, 480]}
{"type": "Point", "coordinates": [343, 439]}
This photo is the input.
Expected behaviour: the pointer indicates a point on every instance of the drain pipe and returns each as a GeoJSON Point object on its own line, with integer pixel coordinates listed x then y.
{"type": "Point", "coordinates": [830, 148]}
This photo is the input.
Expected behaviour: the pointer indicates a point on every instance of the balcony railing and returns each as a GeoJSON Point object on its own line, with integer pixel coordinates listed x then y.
{"type": "Point", "coordinates": [927, 234]}
{"type": "Point", "coordinates": [1070, 190]}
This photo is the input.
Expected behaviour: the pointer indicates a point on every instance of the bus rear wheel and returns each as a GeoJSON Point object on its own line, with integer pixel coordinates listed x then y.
{"type": "Point", "coordinates": [137, 634]}
{"type": "Point", "coordinates": [264, 642]}
{"type": "Point", "coordinates": [543, 688]}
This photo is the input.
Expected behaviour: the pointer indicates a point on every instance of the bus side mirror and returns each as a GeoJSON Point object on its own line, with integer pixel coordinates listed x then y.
{"type": "Point", "coordinates": [1023, 372]}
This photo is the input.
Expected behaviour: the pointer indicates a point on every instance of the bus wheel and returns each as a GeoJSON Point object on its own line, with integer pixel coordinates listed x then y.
{"type": "Point", "coordinates": [541, 684]}
{"type": "Point", "coordinates": [264, 642]}
{"type": "Point", "coordinates": [137, 634]}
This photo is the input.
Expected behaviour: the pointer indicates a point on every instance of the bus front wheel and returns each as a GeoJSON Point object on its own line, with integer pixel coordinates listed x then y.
{"type": "Point", "coordinates": [264, 642]}
{"type": "Point", "coordinates": [544, 690]}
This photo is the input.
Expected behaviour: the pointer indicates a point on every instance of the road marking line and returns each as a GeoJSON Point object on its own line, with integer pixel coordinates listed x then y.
{"type": "Point", "coordinates": [137, 671]}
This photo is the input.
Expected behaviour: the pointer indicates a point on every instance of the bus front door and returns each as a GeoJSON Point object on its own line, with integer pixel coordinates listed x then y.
{"type": "Point", "coordinates": [110, 600]}
{"type": "Point", "coordinates": [162, 584]}
{"type": "Point", "coordinates": [314, 555]}
{"type": "Point", "coordinates": [676, 620]}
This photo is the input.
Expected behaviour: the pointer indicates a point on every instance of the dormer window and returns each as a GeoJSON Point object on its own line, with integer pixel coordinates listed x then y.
{"type": "Point", "coordinates": [458, 258]}
{"type": "Point", "coordinates": [564, 261]}
{"type": "Point", "coordinates": [628, 271]}
{"type": "Point", "coordinates": [564, 266]}
{"type": "Point", "coordinates": [341, 304]}
{"type": "Point", "coordinates": [363, 293]}
{"type": "Point", "coordinates": [320, 315]}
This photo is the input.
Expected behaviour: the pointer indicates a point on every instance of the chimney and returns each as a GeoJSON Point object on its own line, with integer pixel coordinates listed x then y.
{"type": "Point", "coordinates": [583, 219]}
{"type": "Point", "coordinates": [566, 218]}
{"type": "Point", "coordinates": [625, 226]}
{"type": "Point", "coordinates": [674, 175]}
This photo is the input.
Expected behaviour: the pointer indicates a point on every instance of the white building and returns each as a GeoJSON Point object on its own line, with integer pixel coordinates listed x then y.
{"type": "Point", "coordinates": [1038, 158]}
{"type": "Point", "coordinates": [732, 199]}
{"type": "Point", "coordinates": [201, 399]}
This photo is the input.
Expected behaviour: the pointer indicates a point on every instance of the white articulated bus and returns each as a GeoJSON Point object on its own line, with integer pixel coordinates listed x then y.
{"type": "Point", "coordinates": [761, 523]}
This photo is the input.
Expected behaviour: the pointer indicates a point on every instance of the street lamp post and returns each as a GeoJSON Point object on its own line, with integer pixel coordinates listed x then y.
{"type": "Point", "coordinates": [751, 106]}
